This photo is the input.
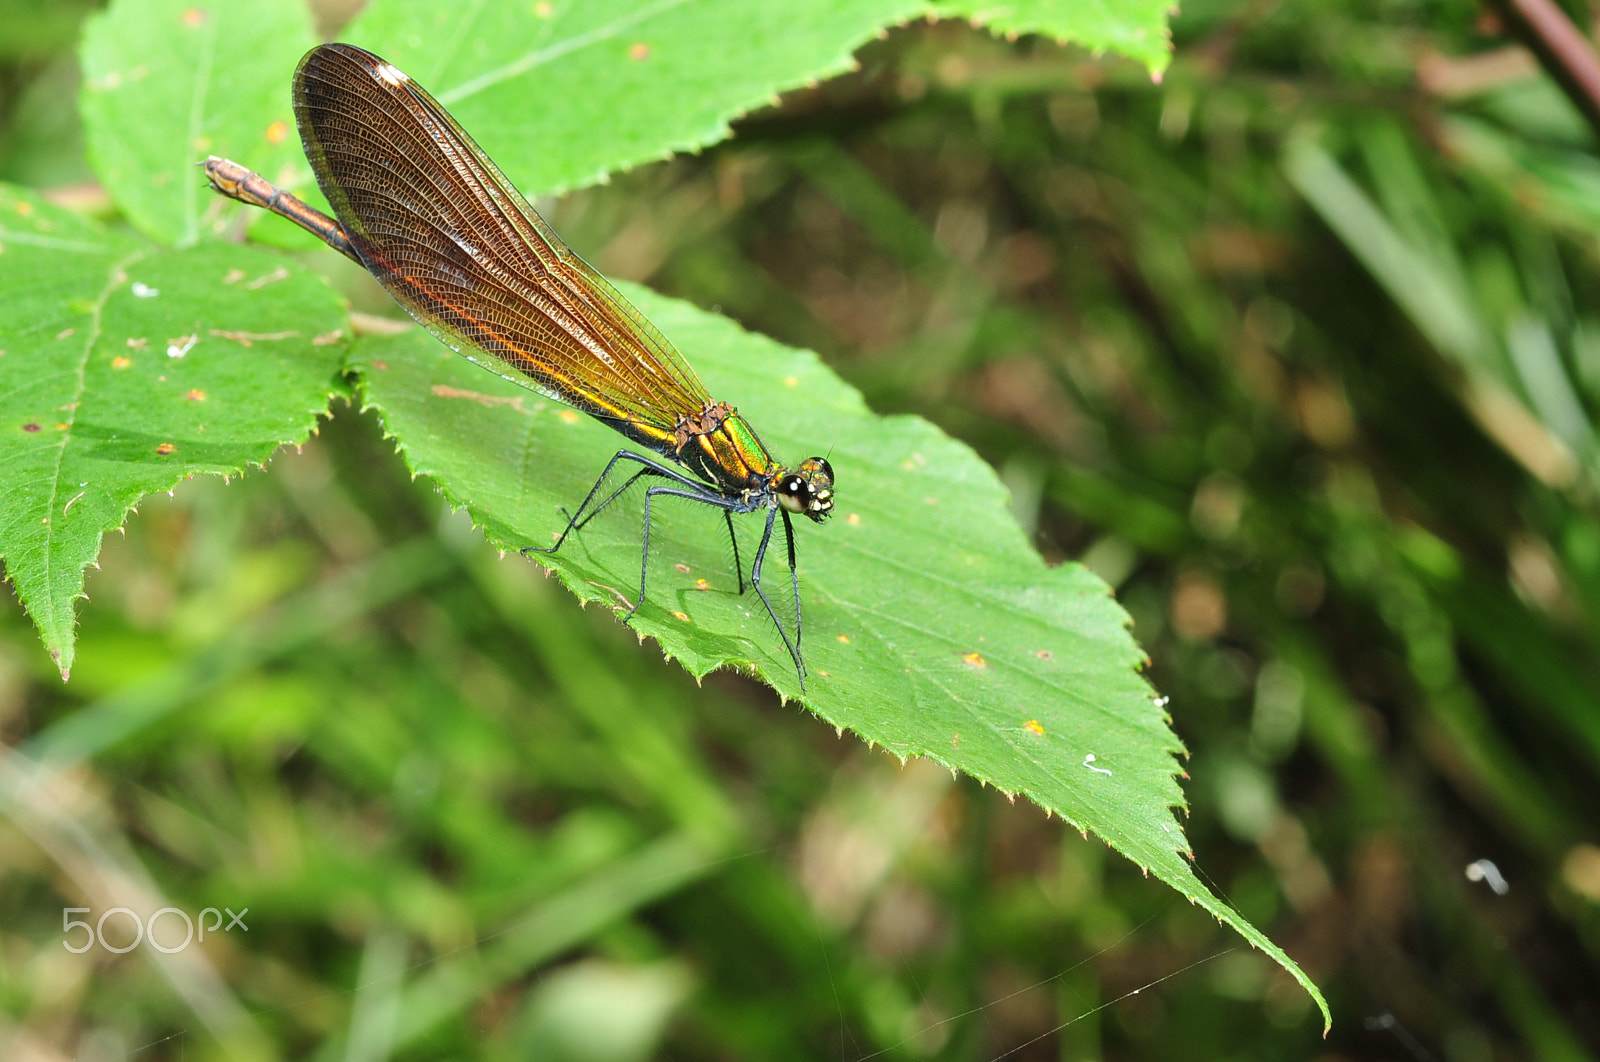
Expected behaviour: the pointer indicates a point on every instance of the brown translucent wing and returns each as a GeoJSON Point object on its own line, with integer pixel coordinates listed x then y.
{"type": "Point", "coordinates": [466, 255]}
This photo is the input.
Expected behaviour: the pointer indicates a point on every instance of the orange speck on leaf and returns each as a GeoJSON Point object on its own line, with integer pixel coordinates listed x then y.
{"type": "Point", "coordinates": [1033, 727]}
{"type": "Point", "coordinates": [854, 519]}
{"type": "Point", "coordinates": [165, 448]}
{"type": "Point", "coordinates": [1044, 654]}
{"type": "Point", "coordinates": [194, 17]}
{"type": "Point", "coordinates": [638, 50]}
{"type": "Point", "coordinates": [684, 616]}
{"type": "Point", "coordinates": [975, 660]}
{"type": "Point", "coordinates": [684, 568]}
{"type": "Point", "coordinates": [196, 395]}
{"type": "Point", "coordinates": [569, 416]}
{"type": "Point", "coordinates": [277, 131]}
{"type": "Point", "coordinates": [119, 362]}
{"type": "Point", "coordinates": [844, 638]}
{"type": "Point", "coordinates": [701, 584]}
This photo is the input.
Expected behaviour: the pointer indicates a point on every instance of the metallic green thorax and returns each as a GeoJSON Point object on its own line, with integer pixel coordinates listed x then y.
{"type": "Point", "coordinates": [730, 455]}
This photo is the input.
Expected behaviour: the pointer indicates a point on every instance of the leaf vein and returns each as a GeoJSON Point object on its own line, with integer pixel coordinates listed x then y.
{"type": "Point", "coordinates": [551, 53]}
{"type": "Point", "coordinates": [114, 280]}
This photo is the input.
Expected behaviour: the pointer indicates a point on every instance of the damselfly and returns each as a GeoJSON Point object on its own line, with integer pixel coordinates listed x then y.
{"type": "Point", "coordinates": [426, 212]}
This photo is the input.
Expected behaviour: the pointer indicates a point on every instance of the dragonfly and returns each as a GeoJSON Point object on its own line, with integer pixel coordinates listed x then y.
{"type": "Point", "coordinates": [421, 207]}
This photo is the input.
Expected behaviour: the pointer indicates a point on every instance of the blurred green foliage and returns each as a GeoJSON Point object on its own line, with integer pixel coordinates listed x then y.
{"type": "Point", "coordinates": [1295, 348]}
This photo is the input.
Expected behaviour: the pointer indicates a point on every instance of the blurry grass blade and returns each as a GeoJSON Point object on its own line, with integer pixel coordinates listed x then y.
{"type": "Point", "coordinates": [1437, 303]}
{"type": "Point", "coordinates": [1586, 353]}
{"type": "Point", "coordinates": [1408, 201]}
{"type": "Point", "coordinates": [623, 712]}
{"type": "Point", "coordinates": [376, 1013]}
{"type": "Point", "coordinates": [1548, 678]}
{"type": "Point", "coordinates": [324, 609]}
{"type": "Point", "coordinates": [1135, 516]}
{"type": "Point", "coordinates": [563, 921]}
{"type": "Point", "coordinates": [1544, 378]}
{"type": "Point", "coordinates": [858, 192]}
{"type": "Point", "coordinates": [106, 872]}
{"type": "Point", "coordinates": [602, 1011]}
{"type": "Point", "coordinates": [1557, 184]}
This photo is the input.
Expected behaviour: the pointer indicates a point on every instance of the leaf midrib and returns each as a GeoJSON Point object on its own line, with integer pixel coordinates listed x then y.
{"type": "Point", "coordinates": [114, 280]}
{"type": "Point", "coordinates": [550, 53]}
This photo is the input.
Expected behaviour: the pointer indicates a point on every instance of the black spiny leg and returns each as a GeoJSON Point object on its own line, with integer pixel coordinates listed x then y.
{"type": "Point", "coordinates": [794, 578]}
{"type": "Point", "coordinates": [578, 519]}
{"type": "Point", "coordinates": [727, 514]}
{"type": "Point", "coordinates": [755, 581]}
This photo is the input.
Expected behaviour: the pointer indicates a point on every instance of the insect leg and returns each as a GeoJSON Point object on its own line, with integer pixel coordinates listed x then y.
{"type": "Point", "coordinates": [699, 494]}
{"type": "Point", "coordinates": [755, 581]}
{"type": "Point", "coordinates": [598, 509]}
{"type": "Point", "coordinates": [738, 569]}
{"type": "Point", "coordinates": [578, 519]}
{"type": "Point", "coordinates": [794, 577]}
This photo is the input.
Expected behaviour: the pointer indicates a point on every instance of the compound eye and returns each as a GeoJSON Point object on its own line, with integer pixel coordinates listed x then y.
{"type": "Point", "coordinates": [794, 493]}
{"type": "Point", "coordinates": [817, 468]}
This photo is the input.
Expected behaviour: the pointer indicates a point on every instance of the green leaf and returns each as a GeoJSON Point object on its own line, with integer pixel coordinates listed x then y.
{"type": "Point", "coordinates": [932, 628]}
{"type": "Point", "coordinates": [560, 93]}
{"type": "Point", "coordinates": [124, 369]}
{"type": "Point", "coordinates": [563, 92]}
{"type": "Point", "coordinates": [168, 82]}
{"type": "Point", "coordinates": [1135, 28]}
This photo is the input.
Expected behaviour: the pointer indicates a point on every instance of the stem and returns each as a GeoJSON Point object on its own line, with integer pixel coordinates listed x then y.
{"type": "Point", "coordinates": [1563, 50]}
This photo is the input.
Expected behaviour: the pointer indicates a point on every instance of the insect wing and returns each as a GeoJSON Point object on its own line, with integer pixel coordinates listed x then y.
{"type": "Point", "coordinates": [438, 224]}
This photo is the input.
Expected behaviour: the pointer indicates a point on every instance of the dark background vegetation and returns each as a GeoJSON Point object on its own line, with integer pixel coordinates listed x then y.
{"type": "Point", "coordinates": [1367, 573]}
